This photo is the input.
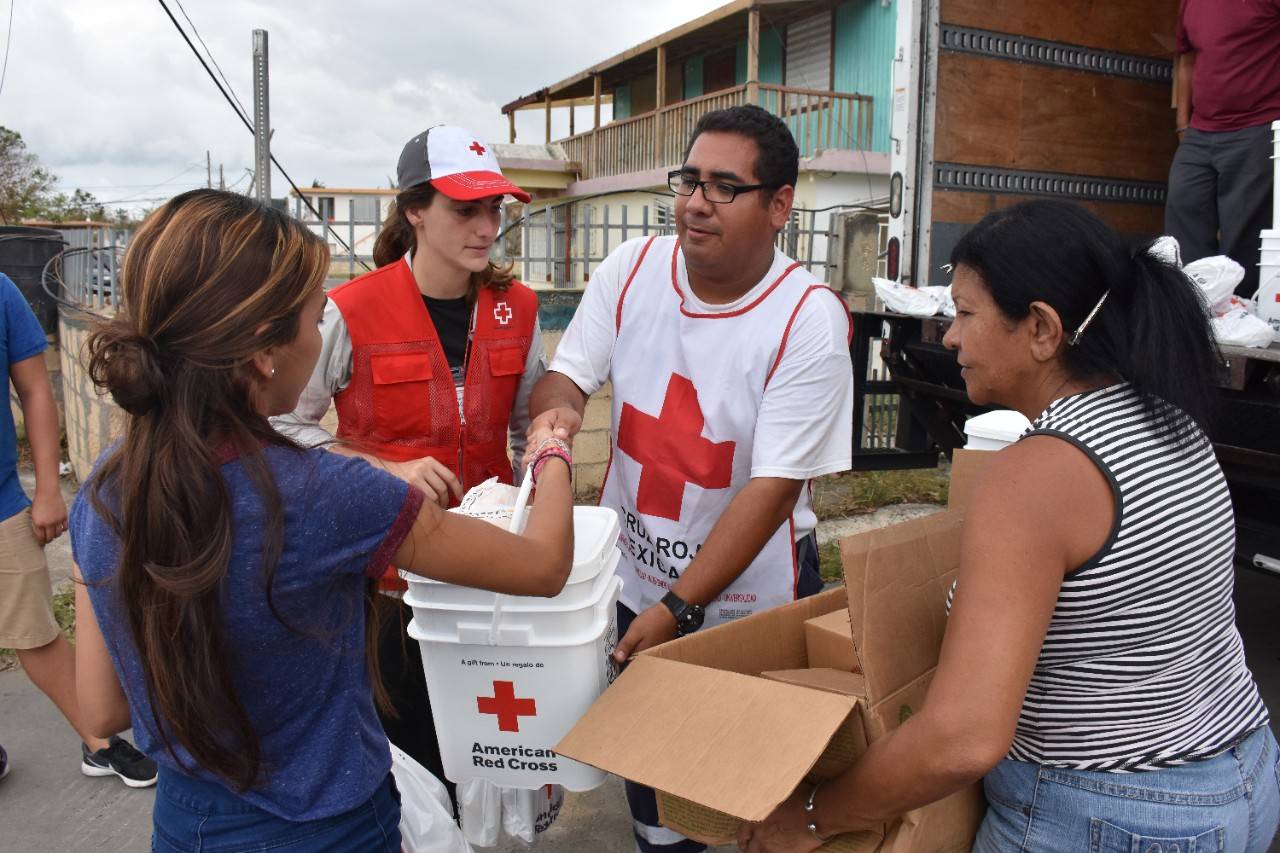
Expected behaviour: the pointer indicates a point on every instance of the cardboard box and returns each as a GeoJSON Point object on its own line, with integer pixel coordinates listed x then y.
{"type": "Point", "coordinates": [725, 723]}
{"type": "Point", "coordinates": [828, 639]}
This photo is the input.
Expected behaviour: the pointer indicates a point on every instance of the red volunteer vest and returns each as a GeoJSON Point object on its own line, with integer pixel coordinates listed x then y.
{"type": "Point", "coordinates": [401, 404]}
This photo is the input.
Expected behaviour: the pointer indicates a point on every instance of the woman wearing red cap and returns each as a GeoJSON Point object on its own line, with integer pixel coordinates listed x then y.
{"type": "Point", "coordinates": [429, 360]}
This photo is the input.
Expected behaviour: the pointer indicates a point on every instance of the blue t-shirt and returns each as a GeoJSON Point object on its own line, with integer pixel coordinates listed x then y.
{"type": "Point", "coordinates": [21, 337]}
{"type": "Point", "coordinates": [306, 690]}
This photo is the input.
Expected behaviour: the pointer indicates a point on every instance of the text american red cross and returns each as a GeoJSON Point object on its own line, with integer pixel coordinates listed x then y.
{"type": "Point", "coordinates": [504, 704]}
{"type": "Point", "coordinates": [478, 148]}
{"type": "Point", "coordinates": [672, 452]}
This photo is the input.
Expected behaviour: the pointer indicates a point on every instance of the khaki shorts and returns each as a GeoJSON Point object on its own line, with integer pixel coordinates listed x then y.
{"type": "Point", "coordinates": [26, 593]}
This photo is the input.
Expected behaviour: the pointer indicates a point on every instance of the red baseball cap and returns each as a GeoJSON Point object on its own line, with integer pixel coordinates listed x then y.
{"type": "Point", "coordinates": [455, 162]}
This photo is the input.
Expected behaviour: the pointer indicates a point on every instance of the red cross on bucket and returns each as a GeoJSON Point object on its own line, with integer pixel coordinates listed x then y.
{"type": "Point", "coordinates": [502, 313]}
{"type": "Point", "coordinates": [504, 704]}
{"type": "Point", "coordinates": [672, 451]}
{"type": "Point", "coordinates": [477, 147]}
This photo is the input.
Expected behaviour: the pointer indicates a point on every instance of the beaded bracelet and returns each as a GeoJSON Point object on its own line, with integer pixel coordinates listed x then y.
{"type": "Point", "coordinates": [545, 454]}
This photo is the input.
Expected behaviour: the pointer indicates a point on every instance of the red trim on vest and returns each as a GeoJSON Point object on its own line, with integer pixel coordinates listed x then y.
{"type": "Point", "coordinates": [401, 404]}
{"type": "Point", "coordinates": [675, 285]}
{"type": "Point", "coordinates": [786, 333]}
{"type": "Point", "coordinates": [617, 318]}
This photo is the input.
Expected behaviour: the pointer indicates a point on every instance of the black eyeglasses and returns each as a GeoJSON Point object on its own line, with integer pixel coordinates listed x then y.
{"type": "Point", "coordinates": [716, 192]}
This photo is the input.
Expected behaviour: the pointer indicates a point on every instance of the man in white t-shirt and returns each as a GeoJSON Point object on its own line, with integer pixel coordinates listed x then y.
{"type": "Point", "coordinates": [732, 388]}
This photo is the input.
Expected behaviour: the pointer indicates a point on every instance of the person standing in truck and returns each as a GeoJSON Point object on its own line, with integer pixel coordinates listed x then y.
{"type": "Point", "coordinates": [429, 360]}
{"type": "Point", "coordinates": [732, 388]}
{"type": "Point", "coordinates": [1228, 93]}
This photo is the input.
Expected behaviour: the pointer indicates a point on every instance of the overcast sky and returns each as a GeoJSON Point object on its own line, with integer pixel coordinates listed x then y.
{"type": "Point", "coordinates": [111, 99]}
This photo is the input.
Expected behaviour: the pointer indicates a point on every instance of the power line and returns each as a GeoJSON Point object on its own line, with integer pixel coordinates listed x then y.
{"type": "Point", "coordinates": [249, 125]}
{"type": "Point", "coordinates": [7, 40]}
{"type": "Point", "coordinates": [243, 111]}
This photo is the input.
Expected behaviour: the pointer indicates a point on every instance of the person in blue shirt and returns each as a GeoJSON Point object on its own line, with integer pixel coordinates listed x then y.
{"type": "Point", "coordinates": [27, 624]}
{"type": "Point", "coordinates": [228, 571]}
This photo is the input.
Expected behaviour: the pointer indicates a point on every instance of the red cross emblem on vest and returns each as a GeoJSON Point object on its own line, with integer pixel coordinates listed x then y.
{"type": "Point", "coordinates": [672, 452]}
{"type": "Point", "coordinates": [502, 313]}
{"type": "Point", "coordinates": [504, 704]}
{"type": "Point", "coordinates": [478, 148]}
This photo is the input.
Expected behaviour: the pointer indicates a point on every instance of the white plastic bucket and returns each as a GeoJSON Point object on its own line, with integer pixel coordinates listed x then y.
{"type": "Point", "coordinates": [524, 621]}
{"type": "Point", "coordinates": [500, 710]}
{"type": "Point", "coordinates": [595, 540]}
{"type": "Point", "coordinates": [994, 430]}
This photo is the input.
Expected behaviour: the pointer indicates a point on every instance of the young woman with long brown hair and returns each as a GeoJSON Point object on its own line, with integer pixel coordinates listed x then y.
{"type": "Point", "coordinates": [429, 360]}
{"type": "Point", "coordinates": [226, 569]}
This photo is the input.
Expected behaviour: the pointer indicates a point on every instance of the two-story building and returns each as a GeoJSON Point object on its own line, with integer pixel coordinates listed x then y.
{"type": "Point", "coordinates": [823, 66]}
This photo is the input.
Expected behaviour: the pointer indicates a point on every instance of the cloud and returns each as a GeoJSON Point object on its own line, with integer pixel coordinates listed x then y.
{"type": "Point", "coordinates": [109, 96]}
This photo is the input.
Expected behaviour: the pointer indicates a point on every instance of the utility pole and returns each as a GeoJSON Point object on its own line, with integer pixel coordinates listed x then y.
{"type": "Point", "coordinates": [208, 169]}
{"type": "Point", "coordinates": [222, 182]}
{"type": "Point", "coordinates": [261, 119]}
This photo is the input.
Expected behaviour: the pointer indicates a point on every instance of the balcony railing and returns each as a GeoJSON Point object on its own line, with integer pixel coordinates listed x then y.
{"type": "Point", "coordinates": [819, 121]}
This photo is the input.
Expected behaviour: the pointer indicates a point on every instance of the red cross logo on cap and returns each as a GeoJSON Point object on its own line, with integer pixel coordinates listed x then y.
{"type": "Point", "coordinates": [502, 313]}
{"type": "Point", "coordinates": [672, 451]}
{"type": "Point", "coordinates": [477, 147]}
{"type": "Point", "coordinates": [504, 704]}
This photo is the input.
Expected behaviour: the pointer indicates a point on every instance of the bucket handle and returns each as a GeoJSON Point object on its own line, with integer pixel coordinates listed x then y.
{"type": "Point", "coordinates": [517, 522]}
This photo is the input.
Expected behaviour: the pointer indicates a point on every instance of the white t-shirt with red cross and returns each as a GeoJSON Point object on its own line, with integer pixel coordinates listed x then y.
{"type": "Point", "coordinates": [706, 397]}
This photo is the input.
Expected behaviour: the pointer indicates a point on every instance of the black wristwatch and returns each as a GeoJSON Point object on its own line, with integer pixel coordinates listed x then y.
{"type": "Point", "coordinates": [688, 616]}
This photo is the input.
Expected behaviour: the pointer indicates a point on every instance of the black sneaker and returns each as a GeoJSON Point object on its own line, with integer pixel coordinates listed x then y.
{"type": "Point", "coordinates": [121, 759]}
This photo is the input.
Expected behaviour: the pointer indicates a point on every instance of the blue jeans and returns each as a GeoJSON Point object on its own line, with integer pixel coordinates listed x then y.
{"type": "Point", "coordinates": [193, 816]}
{"type": "Point", "coordinates": [1230, 802]}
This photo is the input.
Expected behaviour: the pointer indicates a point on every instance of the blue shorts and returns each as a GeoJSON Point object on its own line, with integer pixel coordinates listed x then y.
{"type": "Point", "coordinates": [194, 816]}
{"type": "Point", "coordinates": [1230, 802]}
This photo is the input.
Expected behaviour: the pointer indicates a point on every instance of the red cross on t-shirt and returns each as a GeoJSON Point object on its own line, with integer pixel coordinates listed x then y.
{"type": "Point", "coordinates": [672, 452]}
{"type": "Point", "coordinates": [478, 148]}
{"type": "Point", "coordinates": [504, 704]}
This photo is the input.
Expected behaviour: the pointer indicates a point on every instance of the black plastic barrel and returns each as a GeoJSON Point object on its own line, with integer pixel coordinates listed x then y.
{"type": "Point", "coordinates": [24, 251]}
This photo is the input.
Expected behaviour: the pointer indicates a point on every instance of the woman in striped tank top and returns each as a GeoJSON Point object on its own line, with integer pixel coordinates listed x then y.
{"type": "Point", "coordinates": [1091, 670]}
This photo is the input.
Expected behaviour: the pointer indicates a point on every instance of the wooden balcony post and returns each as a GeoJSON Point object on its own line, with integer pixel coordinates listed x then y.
{"type": "Point", "coordinates": [597, 85]}
{"type": "Point", "coordinates": [753, 55]}
{"type": "Point", "coordinates": [594, 155]}
{"type": "Point", "coordinates": [660, 102]}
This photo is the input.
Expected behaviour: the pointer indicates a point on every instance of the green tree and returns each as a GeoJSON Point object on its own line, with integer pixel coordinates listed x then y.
{"type": "Point", "coordinates": [25, 185]}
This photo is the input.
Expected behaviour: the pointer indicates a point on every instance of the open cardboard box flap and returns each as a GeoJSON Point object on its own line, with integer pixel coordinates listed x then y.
{"type": "Point", "coordinates": [897, 580]}
{"type": "Point", "coordinates": [724, 722]}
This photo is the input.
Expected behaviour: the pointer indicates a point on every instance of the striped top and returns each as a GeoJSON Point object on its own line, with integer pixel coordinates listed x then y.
{"type": "Point", "coordinates": [1142, 666]}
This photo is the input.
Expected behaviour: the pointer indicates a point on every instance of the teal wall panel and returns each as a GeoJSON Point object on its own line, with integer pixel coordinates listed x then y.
{"type": "Point", "coordinates": [770, 57]}
{"type": "Point", "coordinates": [692, 77]}
{"type": "Point", "coordinates": [621, 102]}
{"type": "Point", "coordinates": [865, 32]}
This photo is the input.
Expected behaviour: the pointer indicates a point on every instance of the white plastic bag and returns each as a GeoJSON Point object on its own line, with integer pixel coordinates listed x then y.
{"type": "Point", "coordinates": [426, 814]}
{"type": "Point", "coordinates": [906, 300]}
{"type": "Point", "coordinates": [942, 295]}
{"type": "Point", "coordinates": [528, 814]}
{"type": "Point", "coordinates": [490, 812]}
{"type": "Point", "coordinates": [1217, 277]}
{"type": "Point", "coordinates": [1239, 328]}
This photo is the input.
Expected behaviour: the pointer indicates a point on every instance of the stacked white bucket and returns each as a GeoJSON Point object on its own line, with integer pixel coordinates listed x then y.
{"type": "Point", "coordinates": [994, 430]}
{"type": "Point", "coordinates": [1269, 266]}
{"type": "Point", "coordinates": [509, 675]}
